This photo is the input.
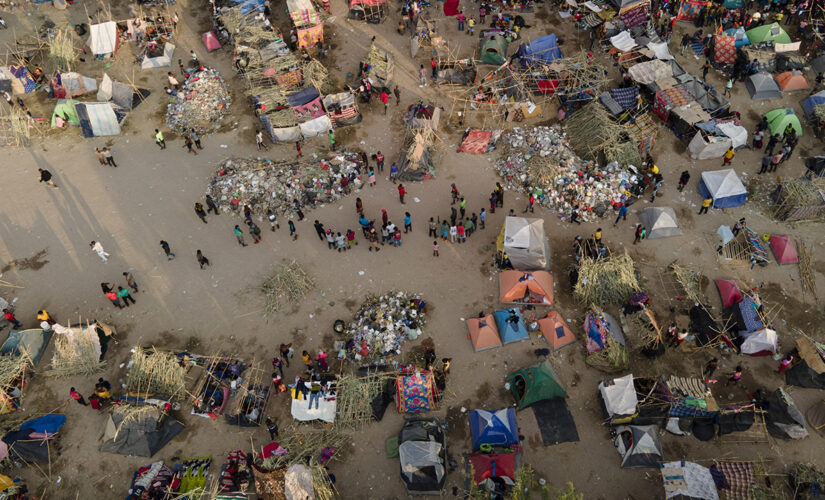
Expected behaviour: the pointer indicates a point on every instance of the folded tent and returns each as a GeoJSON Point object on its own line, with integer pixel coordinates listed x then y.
{"type": "Point", "coordinates": [724, 187]}
{"type": "Point", "coordinates": [762, 86]}
{"type": "Point", "coordinates": [780, 119]}
{"type": "Point", "coordinates": [535, 383]}
{"type": "Point", "coordinates": [555, 331]}
{"type": "Point", "coordinates": [495, 428]}
{"type": "Point", "coordinates": [660, 222]}
{"type": "Point", "coordinates": [791, 80]}
{"type": "Point", "coordinates": [510, 324]}
{"type": "Point", "coordinates": [483, 333]}
{"type": "Point", "coordinates": [525, 287]}
{"type": "Point", "coordinates": [783, 249]}
{"type": "Point", "coordinates": [729, 291]}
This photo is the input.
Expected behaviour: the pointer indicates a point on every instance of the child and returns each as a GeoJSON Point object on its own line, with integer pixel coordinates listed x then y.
{"type": "Point", "coordinates": [372, 177]}
{"type": "Point", "coordinates": [435, 248]}
{"type": "Point", "coordinates": [786, 362]}
{"type": "Point", "coordinates": [341, 242]}
{"type": "Point", "coordinates": [397, 237]}
{"type": "Point", "coordinates": [482, 218]}
{"type": "Point", "coordinates": [350, 238]}
{"type": "Point", "coordinates": [407, 222]}
{"type": "Point", "coordinates": [736, 377]}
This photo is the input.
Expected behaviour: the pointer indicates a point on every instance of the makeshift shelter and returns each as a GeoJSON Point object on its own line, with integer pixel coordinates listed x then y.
{"type": "Point", "coordinates": [160, 59]}
{"type": "Point", "coordinates": [21, 81]}
{"type": "Point", "coordinates": [493, 49]}
{"type": "Point", "coordinates": [65, 109]}
{"type": "Point", "coordinates": [511, 325]}
{"type": "Point", "coordinates": [32, 441]}
{"type": "Point", "coordinates": [533, 384]}
{"type": "Point", "coordinates": [138, 431]}
{"type": "Point", "coordinates": [210, 41]}
{"type": "Point", "coordinates": [524, 242]}
{"type": "Point", "coordinates": [371, 11]}
{"type": "Point", "coordinates": [97, 119]}
{"type": "Point", "coordinates": [809, 371]}
{"type": "Point", "coordinates": [762, 86]}
{"type": "Point", "coordinates": [801, 199]}
{"type": "Point", "coordinates": [532, 287]}
{"type": "Point", "coordinates": [415, 392]}
{"type": "Point", "coordinates": [760, 343]}
{"type": "Point", "coordinates": [380, 68]}
{"type": "Point", "coordinates": [705, 146]}
{"type": "Point", "coordinates": [784, 420]}
{"type": "Point", "coordinates": [422, 450]}
{"type": "Point", "coordinates": [687, 480]}
{"type": "Point", "coordinates": [13, 380]}
{"type": "Point", "coordinates": [487, 466]}
{"type": "Point", "coordinates": [791, 80]}
{"type": "Point", "coordinates": [494, 428]}
{"type": "Point", "coordinates": [660, 222]}
{"type": "Point", "coordinates": [729, 291]}
{"type": "Point", "coordinates": [780, 119]}
{"type": "Point", "coordinates": [123, 97]}
{"type": "Point", "coordinates": [783, 249]}
{"type": "Point", "coordinates": [618, 398]}
{"type": "Point", "coordinates": [810, 103]}
{"type": "Point", "coordinates": [31, 344]}
{"type": "Point", "coordinates": [638, 445]}
{"type": "Point", "coordinates": [768, 33]}
{"type": "Point", "coordinates": [555, 330]}
{"type": "Point", "coordinates": [724, 49]}
{"type": "Point", "coordinates": [77, 350]}
{"type": "Point", "coordinates": [724, 187]}
{"type": "Point", "coordinates": [68, 85]}
{"type": "Point", "coordinates": [541, 51]}
{"type": "Point", "coordinates": [103, 38]}
{"type": "Point", "coordinates": [341, 109]}
{"type": "Point", "coordinates": [307, 21]}
{"type": "Point", "coordinates": [483, 333]}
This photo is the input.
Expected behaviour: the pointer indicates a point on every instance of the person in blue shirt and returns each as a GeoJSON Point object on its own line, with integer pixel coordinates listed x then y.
{"type": "Point", "coordinates": [407, 222]}
{"type": "Point", "coordinates": [622, 214]}
{"type": "Point", "coordinates": [393, 172]}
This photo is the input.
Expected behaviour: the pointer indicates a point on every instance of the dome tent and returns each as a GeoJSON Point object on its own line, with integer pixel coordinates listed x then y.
{"type": "Point", "coordinates": [724, 187]}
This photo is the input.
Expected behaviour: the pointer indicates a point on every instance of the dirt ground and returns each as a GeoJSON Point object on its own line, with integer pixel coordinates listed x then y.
{"type": "Point", "coordinates": [45, 233]}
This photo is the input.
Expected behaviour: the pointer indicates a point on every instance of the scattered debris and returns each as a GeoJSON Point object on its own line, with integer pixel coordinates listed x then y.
{"type": "Point", "coordinates": [200, 103]}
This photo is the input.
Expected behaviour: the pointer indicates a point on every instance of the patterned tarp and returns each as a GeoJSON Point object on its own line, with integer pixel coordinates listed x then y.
{"type": "Point", "coordinates": [416, 392]}
{"type": "Point", "coordinates": [305, 17]}
{"type": "Point", "coordinates": [626, 96]}
{"type": "Point", "coordinates": [667, 99]}
{"type": "Point", "coordinates": [760, 253]}
{"type": "Point", "coordinates": [650, 71]}
{"type": "Point", "coordinates": [689, 9]}
{"type": "Point", "coordinates": [635, 17]}
{"type": "Point", "coordinates": [749, 315]}
{"type": "Point", "coordinates": [733, 479]}
{"type": "Point", "coordinates": [725, 51]}
{"type": "Point", "coordinates": [476, 142]}
{"type": "Point", "coordinates": [688, 480]}
{"type": "Point", "coordinates": [310, 36]}
{"type": "Point", "coordinates": [591, 20]}
{"type": "Point", "coordinates": [682, 409]}
{"type": "Point", "coordinates": [596, 330]}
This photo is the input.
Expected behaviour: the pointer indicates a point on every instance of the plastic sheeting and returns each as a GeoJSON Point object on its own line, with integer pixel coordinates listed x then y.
{"type": "Point", "coordinates": [525, 243]}
{"type": "Point", "coordinates": [97, 119]}
{"type": "Point", "coordinates": [688, 480]}
{"type": "Point", "coordinates": [103, 38]}
{"type": "Point", "coordinates": [619, 396]}
{"type": "Point", "coordinates": [161, 61]}
{"type": "Point", "coordinates": [623, 41]}
{"type": "Point", "coordinates": [706, 148]}
{"type": "Point", "coordinates": [317, 126]}
{"type": "Point", "coordinates": [325, 411]}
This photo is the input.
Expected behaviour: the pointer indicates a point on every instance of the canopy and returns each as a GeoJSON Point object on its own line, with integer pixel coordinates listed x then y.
{"type": "Point", "coordinates": [535, 383]}
{"type": "Point", "coordinates": [534, 287]}
{"type": "Point", "coordinates": [422, 450]}
{"type": "Point", "coordinates": [555, 330]}
{"type": "Point", "coordinates": [812, 101]}
{"type": "Point", "coordinates": [639, 446]}
{"type": "Point", "coordinates": [97, 119]}
{"type": "Point", "coordinates": [780, 119]}
{"type": "Point", "coordinates": [65, 109]}
{"type": "Point", "coordinates": [619, 396]}
{"type": "Point", "coordinates": [791, 80]}
{"type": "Point", "coordinates": [724, 187]}
{"type": "Point", "coordinates": [210, 41]}
{"type": "Point", "coordinates": [760, 343]}
{"type": "Point", "coordinates": [483, 333]}
{"type": "Point", "coordinates": [524, 242]}
{"type": "Point", "coordinates": [729, 291]}
{"type": "Point", "coordinates": [688, 480]}
{"type": "Point", "coordinates": [660, 222]}
{"type": "Point", "coordinates": [491, 465]}
{"type": "Point", "coordinates": [510, 325]}
{"type": "Point", "coordinates": [762, 86]}
{"type": "Point", "coordinates": [141, 433]}
{"type": "Point", "coordinates": [161, 61]}
{"type": "Point", "coordinates": [496, 428]}
{"type": "Point", "coordinates": [415, 392]}
{"type": "Point", "coordinates": [768, 33]}
{"type": "Point", "coordinates": [783, 249]}
{"type": "Point", "coordinates": [103, 38]}
{"type": "Point", "coordinates": [542, 50]}
{"type": "Point", "coordinates": [493, 49]}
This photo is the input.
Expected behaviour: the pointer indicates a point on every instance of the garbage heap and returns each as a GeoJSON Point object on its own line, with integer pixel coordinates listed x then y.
{"type": "Point", "coordinates": [540, 160]}
{"type": "Point", "coordinates": [381, 325]}
{"type": "Point", "coordinates": [265, 184]}
{"type": "Point", "coordinates": [200, 103]}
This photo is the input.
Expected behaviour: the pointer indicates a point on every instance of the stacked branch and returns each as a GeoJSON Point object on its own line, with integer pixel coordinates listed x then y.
{"type": "Point", "coordinates": [805, 255]}
{"type": "Point", "coordinates": [355, 397]}
{"type": "Point", "coordinates": [592, 132]}
{"type": "Point", "coordinates": [156, 372]}
{"type": "Point", "coordinates": [76, 352]}
{"type": "Point", "coordinates": [646, 329]}
{"type": "Point", "coordinates": [690, 280]}
{"type": "Point", "coordinates": [613, 358]}
{"type": "Point", "coordinates": [303, 448]}
{"type": "Point", "coordinates": [290, 282]}
{"type": "Point", "coordinates": [609, 280]}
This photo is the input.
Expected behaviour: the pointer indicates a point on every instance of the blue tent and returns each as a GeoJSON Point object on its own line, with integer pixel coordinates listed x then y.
{"type": "Point", "coordinates": [496, 428]}
{"type": "Point", "coordinates": [724, 187]}
{"type": "Point", "coordinates": [50, 424]}
{"type": "Point", "coordinates": [510, 330]}
{"type": "Point", "coordinates": [809, 103]}
{"type": "Point", "coordinates": [542, 50]}
{"type": "Point", "coordinates": [739, 36]}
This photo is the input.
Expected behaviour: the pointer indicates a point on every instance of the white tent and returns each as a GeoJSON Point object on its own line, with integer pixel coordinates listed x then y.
{"type": "Point", "coordinates": [760, 342]}
{"type": "Point", "coordinates": [619, 396]}
{"type": "Point", "coordinates": [660, 222]}
{"type": "Point", "coordinates": [525, 243]}
{"type": "Point", "coordinates": [688, 480]}
{"type": "Point", "coordinates": [160, 61]}
{"type": "Point", "coordinates": [724, 187]}
{"type": "Point", "coordinates": [705, 148]}
{"type": "Point", "coordinates": [103, 38]}
{"type": "Point", "coordinates": [737, 133]}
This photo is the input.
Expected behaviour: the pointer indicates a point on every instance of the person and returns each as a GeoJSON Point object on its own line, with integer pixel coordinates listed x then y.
{"type": "Point", "coordinates": [461, 232]}
{"type": "Point", "coordinates": [705, 205]}
{"type": "Point", "coordinates": [435, 248]}
{"type": "Point", "coordinates": [194, 57]}
{"type": "Point", "coordinates": [379, 161]}
{"type": "Point", "coordinates": [202, 260]}
{"type": "Point", "coordinates": [637, 235]}
{"type": "Point", "coordinates": [292, 231]}
{"type": "Point", "coordinates": [787, 360]}
{"type": "Point", "coordinates": [460, 18]}
{"type": "Point", "coordinates": [471, 26]}
{"type": "Point", "coordinates": [683, 180]}
{"type": "Point", "coordinates": [462, 206]}
{"type": "Point", "coordinates": [259, 140]}
{"type": "Point", "coordinates": [239, 235]}
{"type": "Point", "coordinates": [737, 375]}
{"type": "Point", "coordinates": [315, 394]}
{"type": "Point", "coordinates": [397, 92]}
{"type": "Point", "coordinates": [738, 226]}
{"type": "Point", "coordinates": [774, 139]}
{"type": "Point", "coordinates": [77, 396]}
{"type": "Point", "coordinates": [321, 358]}
{"type": "Point", "coordinates": [331, 137]}
{"type": "Point", "coordinates": [728, 87]}
{"type": "Point", "coordinates": [422, 76]}
{"type": "Point", "coordinates": [130, 281]}
{"type": "Point", "coordinates": [705, 68]}
{"type": "Point", "coordinates": [341, 242]}
{"type": "Point", "coordinates": [407, 222]}
{"type": "Point", "coordinates": [104, 384]}
{"type": "Point", "coordinates": [728, 156]}
{"type": "Point", "coordinates": [200, 212]}
{"type": "Point", "coordinates": [710, 367]}
{"type": "Point", "coordinates": [776, 159]}
{"type": "Point", "coordinates": [46, 176]}
{"type": "Point", "coordinates": [574, 215]}
{"type": "Point", "coordinates": [100, 157]}
{"type": "Point", "coordinates": [112, 296]}
{"type": "Point", "coordinates": [757, 139]}
{"type": "Point", "coordinates": [167, 250]}
{"type": "Point", "coordinates": [659, 183]}
{"type": "Point", "coordinates": [385, 99]}
{"type": "Point", "coordinates": [330, 237]}
{"type": "Point", "coordinates": [255, 231]}
{"type": "Point", "coordinates": [211, 205]}
{"type": "Point", "coordinates": [396, 235]}
{"type": "Point", "coordinates": [107, 156]}
{"type": "Point", "coordinates": [125, 294]}
{"type": "Point", "coordinates": [499, 195]}
{"type": "Point", "coordinates": [684, 43]}
{"type": "Point", "coordinates": [44, 317]}
{"type": "Point", "coordinates": [11, 319]}
{"type": "Point", "coordinates": [766, 163]}
{"type": "Point", "coordinates": [272, 428]}
{"type": "Point", "coordinates": [173, 82]}
{"type": "Point", "coordinates": [351, 238]}
{"type": "Point", "coordinates": [188, 144]}
{"type": "Point", "coordinates": [394, 172]}
{"type": "Point", "coordinates": [597, 236]}
{"type": "Point", "coordinates": [286, 353]}
{"type": "Point", "coordinates": [453, 233]}
{"type": "Point", "coordinates": [482, 218]}
{"type": "Point", "coordinates": [273, 220]}
{"type": "Point", "coordinates": [401, 193]}
{"type": "Point", "coordinates": [372, 236]}
{"type": "Point", "coordinates": [195, 138]}
{"type": "Point", "coordinates": [159, 139]}
{"type": "Point", "coordinates": [622, 214]}
{"type": "Point", "coordinates": [98, 249]}
{"type": "Point", "coordinates": [298, 149]}
{"type": "Point", "coordinates": [307, 360]}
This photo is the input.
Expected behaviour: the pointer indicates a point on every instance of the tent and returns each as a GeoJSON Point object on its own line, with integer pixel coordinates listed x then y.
{"type": "Point", "coordinates": [517, 287]}
{"type": "Point", "coordinates": [493, 49]}
{"type": "Point", "coordinates": [555, 331]}
{"type": "Point", "coordinates": [660, 222]}
{"type": "Point", "coordinates": [783, 249]}
{"type": "Point", "coordinates": [496, 428]}
{"type": "Point", "coordinates": [490, 465]}
{"type": "Point", "coordinates": [687, 480]}
{"type": "Point", "coordinates": [138, 431]}
{"type": "Point", "coordinates": [780, 119]}
{"type": "Point", "coordinates": [762, 86]}
{"type": "Point", "coordinates": [483, 333]}
{"type": "Point", "coordinates": [724, 187]}
{"type": "Point", "coordinates": [791, 80]}
{"type": "Point", "coordinates": [619, 398]}
{"type": "Point", "coordinates": [524, 242]}
{"type": "Point", "coordinates": [543, 50]}
{"type": "Point", "coordinates": [638, 445]}
{"type": "Point", "coordinates": [533, 384]}
{"type": "Point", "coordinates": [161, 60]}
{"type": "Point", "coordinates": [103, 38]}
{"type": "Point", "coordinates": [72, 84]}
{"type": "Point", "coordinates": [122, 96]}
{"type": "Point", "coordinates": [65, 108]}
{"type": "Point", "coordinates": [812, 101]}
{"type": "Point", "coordinates": [422, 450]}
{"type": "Point", "coordinates": [210, 41]}
{"type": "Point", "coordinates": [760, 343]}
{"type": "Point", "coordinates": [738, 35]}
{"type": "Point", "coordinates": [415, 392]}
{"type": "Point", "coordinates": [706, 147]}
{"type": "Point", "coordinates": [32, 440]}
{"type": "Point", "coordinates": [729, 291]}
{"type": "Point", "coordinates": [768, 33]}
{"type": "Point", "coordinates": [30, 343]}
{"type": "Point", "coordinates": [97, 119]}
{"type": "Point", "coordinates": [341, 109]}
{"type": "Point", "coordinates": [510, 324]}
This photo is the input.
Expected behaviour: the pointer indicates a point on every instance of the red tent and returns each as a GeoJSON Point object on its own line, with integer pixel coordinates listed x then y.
{"type": "Point", "coordinates": [783, 249]}
{"type": "Point", "coordinates": [505, 465]}
{"type": "Point", "coordinates": [729, 291]}
{"type": "Point", "coordinates": [210, 41]}
{"type": "Point", "coordinates": [451, 7]}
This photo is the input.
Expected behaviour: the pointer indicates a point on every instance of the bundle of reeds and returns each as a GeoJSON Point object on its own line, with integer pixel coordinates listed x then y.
{"type": "Point", "coordinates": [644, 328]}
{"type": "Point", "coordinates": [690, 280]}
{"type": "Point", "coordinates": [324, 489]}
{"type": "Point", "coordinates": [608, 280]}
{"type": "Point", "coordinates": [155, 371]}
{"type": "Point", "coordinates": [303, 448]}
{"type": "Point", "coordinates": [288, 282]}
{"type": "Point", "coordinates": [354, 399]}
{"type": "Point", "coordinates": [76, 353]}
{"type": "Point", "coordinates": [611, 359]}
{"type": "Point", "coordinates": [592, 131]}
{"type": "Point", "coordinates": [62, 51]}
{"type": "Point", "coordinates": [316, 74]}
{"type": "Point", "coordinates": [134, 416]}
{"type": "Point", "coordinates": [12, 369]}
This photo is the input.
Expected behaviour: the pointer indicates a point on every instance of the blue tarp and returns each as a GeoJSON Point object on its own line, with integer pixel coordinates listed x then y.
{"type": "Point", "coordinates": [50, 423]}
{"type": "Point", "coordinates": [302, 97]}
{"type": "Point", "coordinates": [509, 331]}
{"type": "Point", "coordinates": [733, 4]}
{"type": "Point", "coordinates": [497, 428]}
{"type": "Point", "coordinates": [29, 342]}
{"type": "Point", "coordinates": [812, 101]}
{"type": "Point", "coordinates": [540, 51]}
{"type": "Point", "coordinates": [247, 6]}
{"type": "Point", "coordinates": [739, 35]}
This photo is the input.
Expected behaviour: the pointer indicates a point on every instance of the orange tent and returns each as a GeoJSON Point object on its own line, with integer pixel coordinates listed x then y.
{"type": "Point", "coordinates": [483, 333]}
{"type": "Point", "coordinates": [555, 330]}
{"type": "Point", "coordinates": [534, 287]}
{"type": "Point", "coordinates": [791, 80]}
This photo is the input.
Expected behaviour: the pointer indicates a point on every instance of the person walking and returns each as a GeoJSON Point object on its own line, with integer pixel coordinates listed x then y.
{"type": "Point", "coordinates": [195, 138]}
{"type": "Point", "coordinates": [397, 92]}
{"type": "Point", "coordinates": [167, 250]}
{"type": "Point", "coordinates": [211, 205]}
{"type": "Point", "coordinates": [499, 195]}
{"type": "Point", "coordinates": [98, 249]}
{"type": "Point", "coordinates": [259, 140]}
{"type": "Point", "coordinates": [772, 144]}
{"type": "Point", "coordinates": [298, 149]}
{"type": "Point", "coordinates": [286, 353]}
{"type": "Point", "coordinates": [461, 232]}
{"type": "Point", "coordinates": [432, 229]}
{"type": "Point", "coordinates": [292, 231]}
{"type": "Point", "coordinates": [397, 237]}
{"type": "Point", "coordinates": [126, 295]}
{"type": "Point", "coordinates": [453, 193]}
{"type": "Point", "coordinates": [379, 161]}
{"type": "Point", "coordinates": [407, 222]}
{"type": "Point", "coordinates": [108, 157]}
{"type": "Point", "coordinates": [200, 212]}
{"type": "Point", "coordinates": [482, 218]}
{"type": "Point", "coordinates": [77, 397]}
{"type": "Point", "coordinates": [453, 233]}
{"type": "Point", "coordinates": [46, 176]}
{"type": "Point", "coordinates": [331, 137]}
{"type": "Point", "coordinates": [202, 260]}
{"type": "Point", "coordinates": [159, 139]}
{"type": "Point", "coordinates": [705, 205]}
{"type": "Point", "coordinates": [239, 235]}
{"type": "Point", "coordinates": [130, 281]}
{"type": "Point", "coordinates": [112, 296]}
{"type": "Point", "coordinates": [637, 235]}
{"type": "Point", "coordinates": [775, 161]}
{"type": "Point", "coordinates": [729, 154]}
{"type": "Point", "coordinates": [359, 207]}
{"type": "Point", "coordinates": [422, 76]}
{"type": "Point", "coordinates": [254, 231]}
{"type": "Point", "coordinates": [736, 376]}
{"type": "Point", "coordinates": [189, 144]}
{"type": "Point", "coordinates": [100, 157]}
{"type": "Point", "coordinates": [728, 87]}
{"type": "Point", "coordinates": [11, 319]}
{"type": "Point", "coordinates": [683, 180]}
{"type": "Point", "coordinates": [385, 99]}
{"type": "Point", "coordinates": [371, 177]}
{"type": "Point", "coordinates": [394, 172]}
{"type": "Point", "coordinates": [330, 237]}
{"type": "Point", "coordinates": [273, 219]}
{"type": "Point", "coordinates": [462, 207]}
{"type": "Point", "coordinates": [401, 193]}
{"type": "Point", "coordinates": [373, 239]}
{"type": "Point", "coordinates": [766, 163]}
{"type": "Point", "coordinates": [319, 228]}
{"type": "Point", "coordinates": [622, 214]}
{"type": "Point", "coordinates": [785, 363]}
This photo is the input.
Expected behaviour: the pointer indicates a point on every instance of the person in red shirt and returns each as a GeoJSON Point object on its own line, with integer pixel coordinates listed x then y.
{"type": "Point", "coordinates": [397, 237]}
{"type": "Point", "coordinates": [434, 67]}
{"type": "Point", "coordinates": [462, 236]}
{"type": "Point", "coordinates": [16, 324]}
{"type": "Point", "coordinates": [401, 193]}
{"type": "Point", "coordinates": [77, 397]}
{"type": "Point", "coordinates": [385, 98]}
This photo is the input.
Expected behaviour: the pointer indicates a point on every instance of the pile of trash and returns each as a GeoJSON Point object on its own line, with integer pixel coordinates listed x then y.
{"type": "Point", "coordinates": [264, 184]}
{"type": "Point", "coordinates": [200, 103]}
{"type": "Point", "coordinates": [540, 160]}
{"type": "Point", "coordinates": [381, 325]}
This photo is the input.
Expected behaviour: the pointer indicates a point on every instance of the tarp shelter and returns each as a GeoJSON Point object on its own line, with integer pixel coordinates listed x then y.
{"type": "Point", "coordinates": [809, 371]}
{"type": "Point", "coordinates": [422, 450]}
{"type": "Point", "coordinates": [619, 397]}
{"type": "Point", "coordinates": [780, 119]}
{"type": "Point", "coordinates": [555, 330]}
{"type": "Point", "coordinates": [510, 324]}
{"type": "Point", "coordinates": [415, 392]}
{"type": "Point", "coordinates": [638, 445]}
{"type": "Point", "coordinates": [65, 109]}
{"type": "Point", "coordinates": [784, 420]}
{"type": "Point", "coordinates": [140, 434]}
{"type": "Point", "coordinates": [342, 109]}
{"type": "Point", "coordinates": [791, 80]}
{"type": "Point", "coordinates": [489, 465]}
{"type": "Point", "coordinates": [762, 86]}
{"type": "Point", "coordinates": [687, 480]}
{"type": "Point", "coordinates": [493, 49]}
{"type": "Point", "coordinates": [729, 291]}
{"type": "Point", "coordinates": [705, 146]}
{"type": "Point", "coordinates": [496, 428]}
{"type": "Point", "coordinates": [162, 60]}
{"type": "Point", "coordinates": [768, 33]}
{"type": "Point", "coordinates": [724, 187]}
{"type": "Point", "coordinates": [783, 249]}
{"type": "Point", "coordinates": [483, 333]}
{"type": "Point", "coordinates": [524, 242]}
{"type": "Point", "coordinates": [543, 50]}
{"type": "Point", "coordinates": [72, 84]}
{"type": "Point", "coordinates": [760, 343]}
{"type": "Point", "coordinates": [811, 102]}
{"type": "Point", "coordinates": [739, 35]}
{"type": "Point", "coordinates": [97, 119]}
{"type": "Point", "coordinates": [124, 97]}
{"type": "Point", "coordinates": [525, 287]}
{"type": "Point", "coordinates": [660, 222]}
{"type": "Point", "coordinates": [724, 49]}
{"type": "Point", "coordinates": [32, 440]}
{"type": "Point", "coordinates": [210, 41]}
{"type": "Point", "coordinates": [103, 38]}
{"type": "Point", "coordinates": [367, 10]}
{"type": "Point", "coordinates": [30, 343]}
{"type": "Point", "coordinates": [535, 383]}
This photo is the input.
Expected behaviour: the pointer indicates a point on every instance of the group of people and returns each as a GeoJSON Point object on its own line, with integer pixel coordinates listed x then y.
{"type": "Point", "coordinates": [102, 393]}
{"type": "Point", "coordinates": [771, 160]}
{"type": "Point", "coordinates": [116, 293]}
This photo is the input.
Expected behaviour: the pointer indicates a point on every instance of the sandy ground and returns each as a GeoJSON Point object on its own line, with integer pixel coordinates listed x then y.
{"type": "Point", "coordinates": [45, 233]}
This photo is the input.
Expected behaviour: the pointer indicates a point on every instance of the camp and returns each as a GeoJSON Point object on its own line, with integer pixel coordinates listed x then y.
{"type": "Point", "coordinates": [493, 428]}
{"type": "Point", "coordinates": [618, 399]}
{"type": "Point", "coordinates": [660, 222]}
{"type": "Point", "coordinates": [638, 445]}
{"type": "Point", "coordinates": [762, 86]}
{"type": "Point", "coordinates": [422, 450]}
{"type": "Point", "coordinates": [516, 287]}
{"type": "Point", "coordinates": [780, 119]}
{"type": "Point", "coordinates": [724, 187]}
{"type": "Point", "coordinates": [483, 333]}
{"type": "Point", "coordinates": [524, 243]}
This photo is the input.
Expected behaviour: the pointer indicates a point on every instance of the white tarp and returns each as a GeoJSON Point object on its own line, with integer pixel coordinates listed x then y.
{"type": "Point", "coordinates": [415, 455]}
{"type": "Point", "coordinates": [325, 411]}
{"type": "Point", "coordinates": [723, 183]}
{"type": "Point", "coordinates": [705, 148]}
{"type": "Point", "coordinates": [316, 126]}
{"type": "Point", "coordinates": [104, 92]}
{"type": "Point", "coordinates": [619, 395]}
{"type": "Point", "coordinates": [161, 61]}
{"type": "Point", "coordinates": [286, 134]}
{"type": "Point", "coordinates": [623, 41]}
{"type": "Point", "coordinates": [760, 341]}
{"type": "Point", "coordinates": [298, 483]}
{"type": "Point", "coordinates": [660, 50]}
{"type": "Point", "coordinates": [77, 84]}
{"type": "Point", "coordinates": [103, 38]}
{"type": "Point", "coordinates": [688, 479]}
{"type": "Point", "coordinates": [101, 116]}
{"type": "Point", "coordinates": [525, 243]}
{"type": "Point", "coordinates": [737, 133]}
{"type": "Point", "coordinates": [782, 48]}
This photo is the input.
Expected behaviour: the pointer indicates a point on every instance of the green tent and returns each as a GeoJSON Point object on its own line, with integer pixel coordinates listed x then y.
{"type": "Point", "coordinates": [65, 108]}
{"type": "Point", "coordinates": [493, 49]}
{"type": "Point", "coordinates": [769, 32]}
{"type": "Point", "coordinates": [535, 383]}
{"type": "Point", "coordinates": [779, 119]}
